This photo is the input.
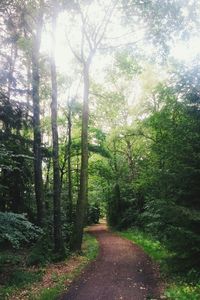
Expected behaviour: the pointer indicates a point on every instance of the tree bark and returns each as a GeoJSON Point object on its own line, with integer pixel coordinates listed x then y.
{"type": "Point", "coordinates": [69, 164]}
{"type": "Point", "coordinates": [82, 197]}
{"type": "Point", "coordinates": [85, 58]}
{"type": "Point", "coordinates": [130, 160]}
{"type": "Point", "coordinates": [36, 120]}
{"type": "Point", "coordinates": [13, 57]}
{"type": "Point", "coordinates": [58, 243]}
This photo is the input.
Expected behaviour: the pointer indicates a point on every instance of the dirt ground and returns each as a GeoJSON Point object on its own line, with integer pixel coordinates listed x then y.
{"type": "Point", "coordinates": [121, 271]}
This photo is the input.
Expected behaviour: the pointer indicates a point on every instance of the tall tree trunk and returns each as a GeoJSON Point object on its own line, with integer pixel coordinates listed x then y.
{"type": "Point", "coordinates": [13, 57]}
{"type": "Point", "coordinates": [36, 120]}
{"type": "Point", "coordinates": [130, 160]}
{"type": "Point", "coordinates": [82, 197]}
{"type": "Point", "coordinates": [77, 171]}
{"type": "Point", "coordinates": [117, 191]}
{"type": "Point", "coordinates": [46, 185]}
{"type": "Point", "coordinates": [28, 87]}
{"type": "Point", "coordinates": [69, 163]}
{"type": "Point", "coordinates": [58, 243]}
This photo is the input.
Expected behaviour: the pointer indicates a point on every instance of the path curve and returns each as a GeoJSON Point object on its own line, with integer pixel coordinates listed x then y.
{"type": "Point", "coordinates": [122, 271]}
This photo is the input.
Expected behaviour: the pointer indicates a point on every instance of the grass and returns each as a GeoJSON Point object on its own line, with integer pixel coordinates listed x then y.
{"type": "Point", "coordinates": [179, 287]}
{"type": "Point", "coordinates": [153, 247]}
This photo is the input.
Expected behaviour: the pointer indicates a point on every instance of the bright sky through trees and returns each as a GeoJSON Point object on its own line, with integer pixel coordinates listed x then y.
{"type": "Point", "coordinates": [117, 36]}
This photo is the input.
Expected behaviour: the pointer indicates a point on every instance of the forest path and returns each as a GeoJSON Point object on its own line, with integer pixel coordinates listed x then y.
{"type": "Point", "coordinates": [121, 271]}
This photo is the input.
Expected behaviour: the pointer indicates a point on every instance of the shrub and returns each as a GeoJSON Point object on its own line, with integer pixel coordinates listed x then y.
{"type": "Point", "coordinates": [16, 230]}
{"type": "Point", "coordinates": [93, 214]}
{"type": "Point", "coordinates": [42, 252]}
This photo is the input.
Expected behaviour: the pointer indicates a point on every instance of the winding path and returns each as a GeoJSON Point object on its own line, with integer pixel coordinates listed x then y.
{"type": "Point", "coordinates": [121, 271]}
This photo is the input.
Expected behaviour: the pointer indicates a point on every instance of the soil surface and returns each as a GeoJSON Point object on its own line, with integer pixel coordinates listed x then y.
{"type": "Point", "coordinates": [121, 271]}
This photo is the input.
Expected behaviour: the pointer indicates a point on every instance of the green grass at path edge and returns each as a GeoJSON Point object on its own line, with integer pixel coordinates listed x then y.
{"type": "Point", "coordinates": [177, 288]}
{"type": "Point", "coordinates": [90, 252]}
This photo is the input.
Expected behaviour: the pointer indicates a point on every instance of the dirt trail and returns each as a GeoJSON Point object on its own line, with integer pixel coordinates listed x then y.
{"type": "Point", "coordinates": [121, 271]}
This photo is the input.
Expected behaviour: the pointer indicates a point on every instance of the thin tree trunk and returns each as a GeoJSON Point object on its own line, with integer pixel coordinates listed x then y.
{"type": "Point", "coordinates": [130, 160]}
{"type": "Point", "coordinates": [47, 176]}
{"type": "Point", "coordinates": [77, 170]}
{"type": "Point", "coordinates": [13, 57]}
{"type": "Point", "coordinates": [28, 86]}
{"type": "Point", "coordinates": [116, 191]}
{"type": "Point", "coordinates": [93, 44]}
{"type": "Point", "coordinates": [58, 243]}
{"type": "Point", "coordinates": [82, 197]}
{"type": "Point", "coordinates": [36, 121]}
{"type": "Point", "coordinates": [69, 164]}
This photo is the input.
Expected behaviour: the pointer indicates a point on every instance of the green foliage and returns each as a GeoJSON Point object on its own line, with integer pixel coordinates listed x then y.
{"type": "Point", "coordinates": [179, 287]}
{"type": "Point", "coordinates": [93, 214]}
{"type": "Point", "coordinates": [16, 160]}
{"type": "Point", "coordinates": [91, 247]}
{"type": "Point", "coordinates": [163, 19]}
{"type": "Point", "coordinates": [15, 230]}
{"type": "Point", "coordinates": [183, 292]}
{"type": "Point", "coordinates": [155, 165]}
{"type": "Point", "coordinates": [115, 208]}
{"type": "Point", "coordinates": [42, 252]}
{"type": "Point", "coordinates": [127, 64]}
{"type": "Point", "coordinates": [89, 253]}
{"type": "Point", "coordinates": [9, 258]}
{"type": "Point", "coordinates": [144, 168]}
{"type": "Point", "coordinates": [164, 196]}
{"type": "Point", "coordinates": [19, 279]}
{"type": "Point", "coordinates": [50, 293]}
{"type": "Point", "coordinates": [150, 245]}
{"type": "Point", "coordinates": [171, 178]}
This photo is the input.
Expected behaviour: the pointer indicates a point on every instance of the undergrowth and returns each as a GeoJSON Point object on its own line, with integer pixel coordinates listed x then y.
{"type": "Point", "coordinates": [180, 286]}
{"type": "Point", "coordinates": [19, 279]}
{"type": "Point", "coordinates": [90, 251]}
{"type": "Point", "coordinates": [17, 275]}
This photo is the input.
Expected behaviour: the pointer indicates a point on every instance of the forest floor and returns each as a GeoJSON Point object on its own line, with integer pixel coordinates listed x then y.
{"type": "Point", "coordinates": [21, 282]}
{"type": "Point", "coordinates": [121, 271]}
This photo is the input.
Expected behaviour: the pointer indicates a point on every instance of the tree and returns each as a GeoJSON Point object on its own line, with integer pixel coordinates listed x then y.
{"type": "Point", "coordinates": [91, 38]}
{"type": "Point", "coordinates": [36, 40]}
{"type": "Point", "coordinates": [69, 146]}
{"type": "Point", "coordinates": [56, 168]}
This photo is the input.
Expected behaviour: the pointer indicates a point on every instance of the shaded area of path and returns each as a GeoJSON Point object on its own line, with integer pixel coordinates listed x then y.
{"type": "Point", "coordinates": [121, 271]}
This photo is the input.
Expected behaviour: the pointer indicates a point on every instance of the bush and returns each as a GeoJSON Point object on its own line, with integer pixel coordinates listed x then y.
{"type": "Point", "coordinates": [16, 230]}
{"type": "Point", "coordinates": [93, 214]}
{"type": "Point", "coordinates": [41, 253]}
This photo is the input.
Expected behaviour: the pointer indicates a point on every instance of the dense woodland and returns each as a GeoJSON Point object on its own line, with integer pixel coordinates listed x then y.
{"type": "Point", "coordinates": [107, 127]}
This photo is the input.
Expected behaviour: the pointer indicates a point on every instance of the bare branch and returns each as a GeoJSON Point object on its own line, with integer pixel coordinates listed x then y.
{"type": "Point", "coordinates": [107, 18]}
{"type": "Point", "coordinates": [73, 51]}
{"type": "Point", "coordinates": [121, 45]}
{"type": "Point", "coordinates": [140, 133]}
{"type": "Point", "coordinates": [84, 21]}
